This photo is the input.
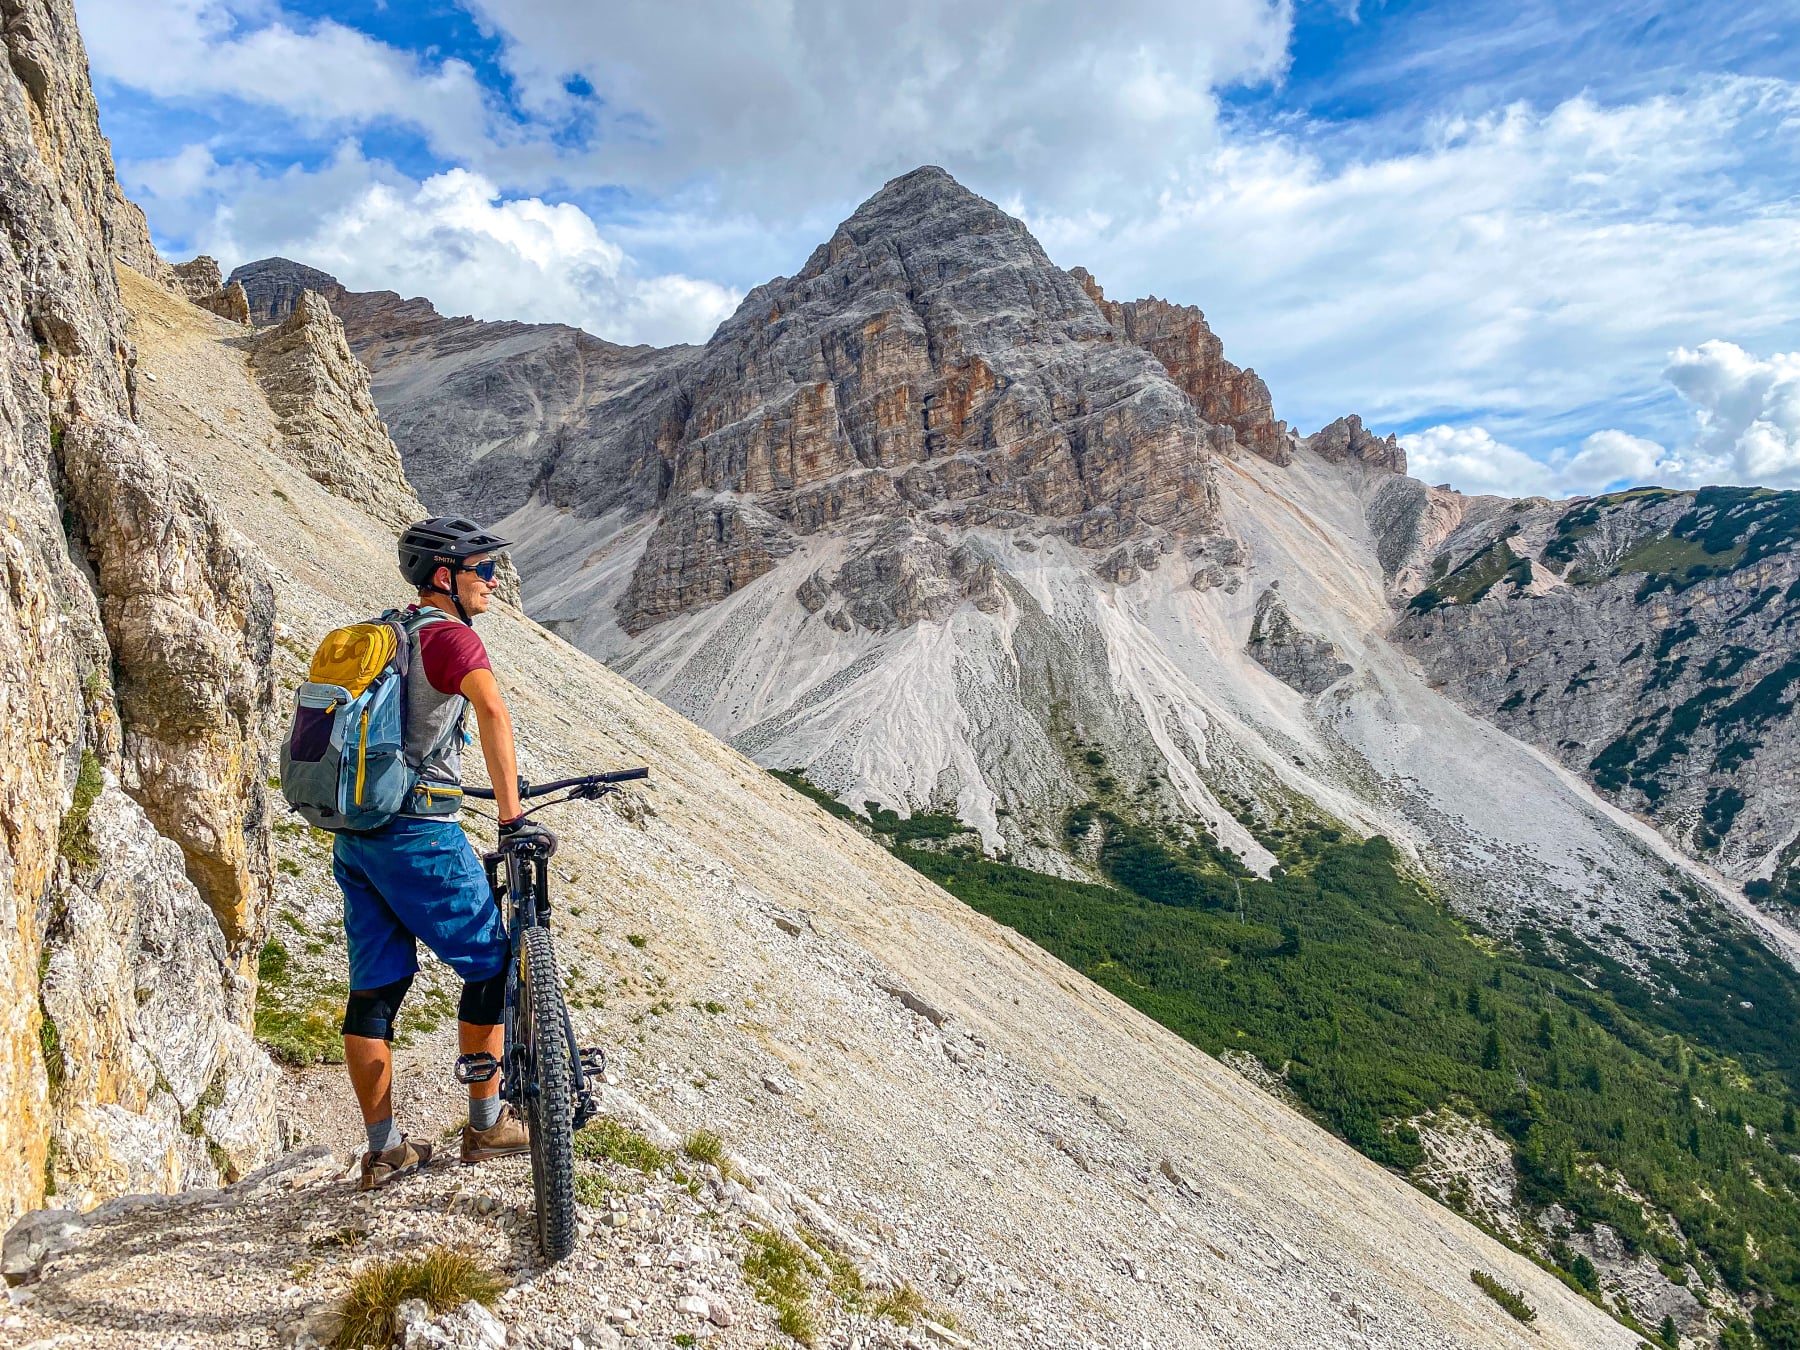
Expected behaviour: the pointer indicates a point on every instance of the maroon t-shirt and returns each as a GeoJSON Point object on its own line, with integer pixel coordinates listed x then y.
{"type": "Point", "coordinates": [448, 652]}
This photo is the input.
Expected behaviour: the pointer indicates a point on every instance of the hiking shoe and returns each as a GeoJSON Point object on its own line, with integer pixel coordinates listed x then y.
{"type": "Point", "coordinates": [505, 1137]}
{"type": "Point", "coordinates": [403, 1159]}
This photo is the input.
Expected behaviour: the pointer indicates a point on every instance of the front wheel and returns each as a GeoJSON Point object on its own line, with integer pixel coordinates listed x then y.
{"type": "Point", "coordinates": [549, 1096]}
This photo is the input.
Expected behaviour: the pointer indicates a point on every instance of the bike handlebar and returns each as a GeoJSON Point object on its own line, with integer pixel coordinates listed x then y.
{"type": "Point", "coordinates": [539, 789]}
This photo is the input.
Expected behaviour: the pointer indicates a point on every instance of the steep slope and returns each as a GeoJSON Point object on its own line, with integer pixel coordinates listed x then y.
{"type": "Point", "coordinates": [1030, 1154]}
{"type": "Point", "coordinates": [135, 700]}
{"type": "Point", "coordinates": [1647, 640]}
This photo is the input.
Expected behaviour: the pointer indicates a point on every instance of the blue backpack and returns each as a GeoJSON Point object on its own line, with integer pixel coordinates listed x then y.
{"type": "Point", "coordinates": [344, 763]}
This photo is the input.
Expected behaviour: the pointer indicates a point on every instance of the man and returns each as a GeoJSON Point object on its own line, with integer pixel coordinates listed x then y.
{"type": "Point", "coordinates": [418, 879]}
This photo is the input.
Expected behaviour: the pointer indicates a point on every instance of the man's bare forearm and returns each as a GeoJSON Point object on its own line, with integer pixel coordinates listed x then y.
{"type": "Point", "coordinates": [495, 725]}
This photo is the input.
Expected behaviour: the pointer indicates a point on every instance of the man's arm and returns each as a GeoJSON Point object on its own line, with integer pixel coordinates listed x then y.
{"type": "Point", "coordinates": [495, 723]}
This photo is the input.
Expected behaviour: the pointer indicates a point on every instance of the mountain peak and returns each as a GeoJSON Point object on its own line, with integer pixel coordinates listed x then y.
{"type": "Point", "coordinates": [274, 286]}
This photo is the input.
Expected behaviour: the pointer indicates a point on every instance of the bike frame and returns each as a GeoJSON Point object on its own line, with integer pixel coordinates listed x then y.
{"type": "Point", "coordinates": [519, 875]}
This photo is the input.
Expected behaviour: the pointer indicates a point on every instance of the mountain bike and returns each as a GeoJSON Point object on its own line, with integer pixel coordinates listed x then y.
{"type": "Point", "coordinates": [544, 1074]}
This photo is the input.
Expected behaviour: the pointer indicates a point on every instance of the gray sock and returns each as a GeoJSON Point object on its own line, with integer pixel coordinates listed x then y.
{"type": "Point", "coordinates": [383, 1135]}
{"type": "Point", "coordinates": [483, 1112]}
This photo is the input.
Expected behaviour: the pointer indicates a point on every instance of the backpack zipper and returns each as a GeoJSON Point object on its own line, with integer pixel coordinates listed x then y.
{"type": "Point", "coordinates": [362, 751]}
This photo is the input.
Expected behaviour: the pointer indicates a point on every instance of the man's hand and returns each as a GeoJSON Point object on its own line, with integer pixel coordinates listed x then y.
{"type": "Point", "coordinates": [527, 834]}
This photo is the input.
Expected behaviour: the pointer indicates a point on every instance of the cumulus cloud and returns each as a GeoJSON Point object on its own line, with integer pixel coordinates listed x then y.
{"type": "Point", "coordinates": [1747, 412]}
{"type": "Point", "coordinates": [325, 75]}
{"type": "Point", "coordinates": [773, 103]}
{"type": "Point", "coordinates": [1471, 460]}
{"type": "Point", "coordinates": [1745, 420]}
{"type": "Point", "coordinates": [453, 238]}
{"type": "Point", "coordinates": [1525, 263]}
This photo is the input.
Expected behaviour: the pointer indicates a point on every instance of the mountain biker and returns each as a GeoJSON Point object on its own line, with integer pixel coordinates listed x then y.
{"type": "Point", "coordinates": [417, 878]}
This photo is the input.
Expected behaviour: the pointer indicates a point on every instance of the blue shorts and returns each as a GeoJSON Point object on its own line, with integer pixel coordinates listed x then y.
{"type": "Point", "coordinates": [416, 879]}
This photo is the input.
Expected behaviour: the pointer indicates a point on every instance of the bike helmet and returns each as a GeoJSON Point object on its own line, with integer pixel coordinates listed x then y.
{"type": "Point", "coordinates": [443, 541]}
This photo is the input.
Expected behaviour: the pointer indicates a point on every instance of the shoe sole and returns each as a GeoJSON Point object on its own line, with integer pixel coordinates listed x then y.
{"type": "Point", "coordinates": [389, 1179]}
{"type": "Point", "coordinates": [488, 1155]}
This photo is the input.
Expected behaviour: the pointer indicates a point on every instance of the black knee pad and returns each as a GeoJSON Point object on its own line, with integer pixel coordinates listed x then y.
{"type": "Point", "coordinates": [483, 1001]}
{"type": "Point", "coordinates": [371, 1012]}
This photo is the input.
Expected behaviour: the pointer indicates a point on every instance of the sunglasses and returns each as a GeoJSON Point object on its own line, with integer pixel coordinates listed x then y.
{"type": "Point", "coordinates": [485, 570]}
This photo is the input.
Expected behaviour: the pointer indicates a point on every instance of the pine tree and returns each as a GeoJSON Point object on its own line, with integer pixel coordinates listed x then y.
{"type": "Point", "coordinates": [1546, 1032]}
{"type": "Point", "coordinates": [1490, 1050]}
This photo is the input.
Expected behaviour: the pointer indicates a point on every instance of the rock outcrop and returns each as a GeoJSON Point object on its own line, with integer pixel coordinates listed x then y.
{"type": "Point", "coordinates": [1179, 337]}
{"type": "Point", "coordinates": [1348, 441]}
{"type": "Point", "coordinates": [134, 654]}
{"type": "Point", "coordinates": [275, 286]}
{"type": "Point", "coordinates": [1297, 658]}
{"type": "Point", "coordinates": [329, 426]}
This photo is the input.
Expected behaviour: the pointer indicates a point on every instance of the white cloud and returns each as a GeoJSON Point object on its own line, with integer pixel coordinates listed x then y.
{"type": "Point", "coordinates": [1746, 430]}
{"type": "Point", "coordinates": [323, 74]}
{"type": "Point", "coordinates": [1526, 263]}
{"type": "Point", "coordinates": [777, 104]}
{"type": "Point", "coordinates": [1747, 412]}
{"type": "Point", "coordinates": [452, 238]}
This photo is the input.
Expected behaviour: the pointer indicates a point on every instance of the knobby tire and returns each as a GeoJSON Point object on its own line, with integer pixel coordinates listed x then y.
{"type": "Point", "coordinates": [550, 1113]}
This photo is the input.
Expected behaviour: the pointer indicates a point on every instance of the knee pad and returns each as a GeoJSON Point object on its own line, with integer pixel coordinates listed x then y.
{"type": "Point", "coordinates": [483, 1001]}
{"type": "Point", "coordinates": [371, 1012]}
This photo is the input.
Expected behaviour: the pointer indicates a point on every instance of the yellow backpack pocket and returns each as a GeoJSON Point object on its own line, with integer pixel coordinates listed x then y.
{"type": "Point", "coordinates": [351, 657]}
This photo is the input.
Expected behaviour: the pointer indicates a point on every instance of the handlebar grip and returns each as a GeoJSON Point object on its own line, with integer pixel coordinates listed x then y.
{"type": "Point", "coordinates": [623, 775]}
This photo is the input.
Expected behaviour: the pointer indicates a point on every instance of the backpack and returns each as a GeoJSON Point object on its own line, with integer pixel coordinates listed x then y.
{"type": "Point", "coordinates": [343, 763]}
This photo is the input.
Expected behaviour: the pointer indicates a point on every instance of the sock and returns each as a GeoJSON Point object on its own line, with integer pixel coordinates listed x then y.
{"type": "Point", "coordinates": [383, 1135]}
{"type": "Point", "coordinates": [483, 1112]}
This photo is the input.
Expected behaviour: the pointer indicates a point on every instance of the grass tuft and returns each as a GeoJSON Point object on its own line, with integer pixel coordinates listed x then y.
{"type": "Point", "coordinates": [704, 1146]}
{"type": "Point", "coordinates": [1510, 1299]}
{"type": "Point", "coordinates": [901, 1306]}
{"type": "Point", "coordinates": [73, 840]}
{"type": "Point", "coordinates": [443, 1278]}
{"type": "Point", "coordinates": [607, 1140]}
{"type": "Point", "coordinates": [780, 1273]}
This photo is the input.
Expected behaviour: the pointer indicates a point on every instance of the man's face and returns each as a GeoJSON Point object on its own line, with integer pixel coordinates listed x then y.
{"type": "Point", "coordinates": [470, 589]}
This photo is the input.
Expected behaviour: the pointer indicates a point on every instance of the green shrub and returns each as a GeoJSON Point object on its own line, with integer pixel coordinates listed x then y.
{"type": "Point", "coordinates": [73, 840]}
{"type": "Point", "coordinates": [1512, 1300]}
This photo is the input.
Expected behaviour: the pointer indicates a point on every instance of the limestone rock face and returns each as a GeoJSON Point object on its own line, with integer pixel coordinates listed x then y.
{"type": "Point", "coordinates": [189, 615]}
{"type": "Point", "coordinates": [1289, 653]}
{"type": "Point", "coordinates": [151, 1066]}
{"type": "Point", "coordinates": [700, 553]}
{"type": "Point", "coordinates": [480, 408]}
{"type": "Point", "coordinates": [330, 428]}
{"type": "Point", "coordinates": [228, 303]}
{"type": "Point", "coordinates": [93, 508]}
{"type": "Point", "coordinates": [1348, 441]}
{"type": "Point", "coordinates": [275, 285]}
{"type": "Point", "coordinates": [1179, 337]}
{"type": "Point", "coordinates": [927, 359]}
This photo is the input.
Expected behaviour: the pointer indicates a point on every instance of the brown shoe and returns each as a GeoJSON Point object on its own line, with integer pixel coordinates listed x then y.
{"type": "Point", "coordinates": [403, 1159]}
{"type": "Point", "coordinates": [505, 1137]}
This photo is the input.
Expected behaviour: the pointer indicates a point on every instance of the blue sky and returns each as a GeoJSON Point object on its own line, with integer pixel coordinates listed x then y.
{"type": "Point", "coordinates": [1555, 246]}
